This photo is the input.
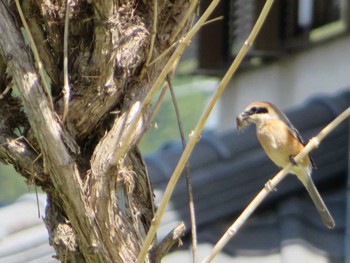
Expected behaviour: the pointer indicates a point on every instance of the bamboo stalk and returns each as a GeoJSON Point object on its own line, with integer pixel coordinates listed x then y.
{"type": "Point", "coordinates": [271, 184]}
{"type": "Point", "coordinates": [169, 65]}
{"type": "Point", "coordinates": [195, 135]}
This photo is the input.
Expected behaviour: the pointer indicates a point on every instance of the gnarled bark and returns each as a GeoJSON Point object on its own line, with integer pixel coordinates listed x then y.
{"type": "Point", "coordinates": [99, 206]}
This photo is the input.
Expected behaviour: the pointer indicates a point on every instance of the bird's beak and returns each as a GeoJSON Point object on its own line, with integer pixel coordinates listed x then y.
{"type": "Point", "coordinates": [242, 119]}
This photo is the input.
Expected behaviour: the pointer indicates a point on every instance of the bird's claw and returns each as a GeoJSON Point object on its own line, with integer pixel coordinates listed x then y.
{"type": "Point", "coordinates": [292, 160]}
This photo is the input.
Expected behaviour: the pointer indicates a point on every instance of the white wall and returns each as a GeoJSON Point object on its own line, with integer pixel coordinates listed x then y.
{"type": "Point", "coordinates": [290, 80]}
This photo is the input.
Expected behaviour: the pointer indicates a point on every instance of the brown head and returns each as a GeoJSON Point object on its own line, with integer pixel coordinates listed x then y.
{"type": "Point", "coordinates": [257, 111]}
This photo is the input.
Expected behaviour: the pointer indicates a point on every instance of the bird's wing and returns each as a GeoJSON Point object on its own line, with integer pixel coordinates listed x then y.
{"type": "Point", "coordinates": [291, 127]}
{"type": "Point", "coordinates": [296, 134]}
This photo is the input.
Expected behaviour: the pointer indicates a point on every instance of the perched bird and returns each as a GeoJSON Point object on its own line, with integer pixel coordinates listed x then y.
{"type": "Point", "coordinates": [282, 141]}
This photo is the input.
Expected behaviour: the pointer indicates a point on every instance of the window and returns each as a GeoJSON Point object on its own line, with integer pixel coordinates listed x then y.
{"type": "Point", "coordinates": [291, 25]}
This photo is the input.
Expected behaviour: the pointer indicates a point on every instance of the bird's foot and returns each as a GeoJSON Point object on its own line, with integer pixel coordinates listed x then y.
{"type": "Point", "coordinates": [292, 160]}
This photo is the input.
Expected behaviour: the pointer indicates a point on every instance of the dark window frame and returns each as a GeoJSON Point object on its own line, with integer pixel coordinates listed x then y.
{"type": "Point", "coordinates": [281, 34]}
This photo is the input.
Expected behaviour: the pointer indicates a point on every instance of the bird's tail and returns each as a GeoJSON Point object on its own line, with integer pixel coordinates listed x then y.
{"type": "Point", "coordinates": [320, 205]}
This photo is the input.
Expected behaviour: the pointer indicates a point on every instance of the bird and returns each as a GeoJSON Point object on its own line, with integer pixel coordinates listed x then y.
{"type": "Point", "coordinates": [282, 142]}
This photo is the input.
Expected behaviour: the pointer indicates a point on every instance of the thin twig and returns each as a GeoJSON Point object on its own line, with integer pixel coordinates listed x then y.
{"type": "Point", "coordinates": [37, 200]}
{"type": "Point", "coordinates": [200, 125]}
{"type": "Point", "coordinates": [173, 237]}
{"type": "Point", "coordinates": [156, 106]}
{"type": "Point", "coordinates": [162, 93]}
{"type": "Point", "coordinates": [66, 87]}
{"type": "Point", "coordinates": [166, 51]}
{"type": "Point", "coordinates": [188, 177]}
{"type": "Point", "coordinates": [213, 20]}
{"type": "Point", "coordinates": [271, 184]}
{"type": "Point", "coordinates": [183, 20]}
{"type": "Point", "coordinates": [166, 69]}
{"type": "Point", "coordinates": [34, 175]}
{"type": "Point", "coordinates": [177, 53]}
{"type": "Point", "coordinates": [35, 53]}
{"type": "Point", "coordinates": [154, 29]}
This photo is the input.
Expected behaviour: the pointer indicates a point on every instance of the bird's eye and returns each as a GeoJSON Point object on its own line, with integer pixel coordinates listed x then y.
{"type": "Point", "coordinates": [253, 109]}
{"type": "Point", "coordinates": [262, 110]}
{"type": "Point", "coordinates": [258, 110]}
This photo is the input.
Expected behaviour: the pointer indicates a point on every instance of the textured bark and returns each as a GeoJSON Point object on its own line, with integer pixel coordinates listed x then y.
{"type": "Point", "coordinates": [99, 206]}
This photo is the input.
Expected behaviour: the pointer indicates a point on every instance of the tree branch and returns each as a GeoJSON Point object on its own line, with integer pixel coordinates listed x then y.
{"type": "Point", "coordinates": [15, 149]}
{"type": "Point", "coordinates": [35, 53]}
{"type": "Point", "coordinates": [104, 213]}
{"type": "Point", "coordinates": [48, 131]}
{"type": "Point", "coordinates": [109, 145]}
{"type": "Point", "coordinates": [24, 158]}
{"type": "Point", "coordinates": [41, 42]}
{"type": "Point", "coordinates": [172, 238]}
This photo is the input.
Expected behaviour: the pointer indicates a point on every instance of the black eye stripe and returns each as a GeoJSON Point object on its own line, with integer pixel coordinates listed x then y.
{"type": "Point", "coordinates": [258, 110]}
{"type": "Point", "coordinates": [262, 110]}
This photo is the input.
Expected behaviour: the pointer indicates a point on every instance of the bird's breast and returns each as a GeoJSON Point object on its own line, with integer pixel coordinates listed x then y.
{"type": "Point", "coordinates": [277, 142]}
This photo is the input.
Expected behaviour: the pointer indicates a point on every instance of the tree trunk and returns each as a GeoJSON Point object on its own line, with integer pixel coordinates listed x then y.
{"type": "Point", "coordinates": [100, 205]}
